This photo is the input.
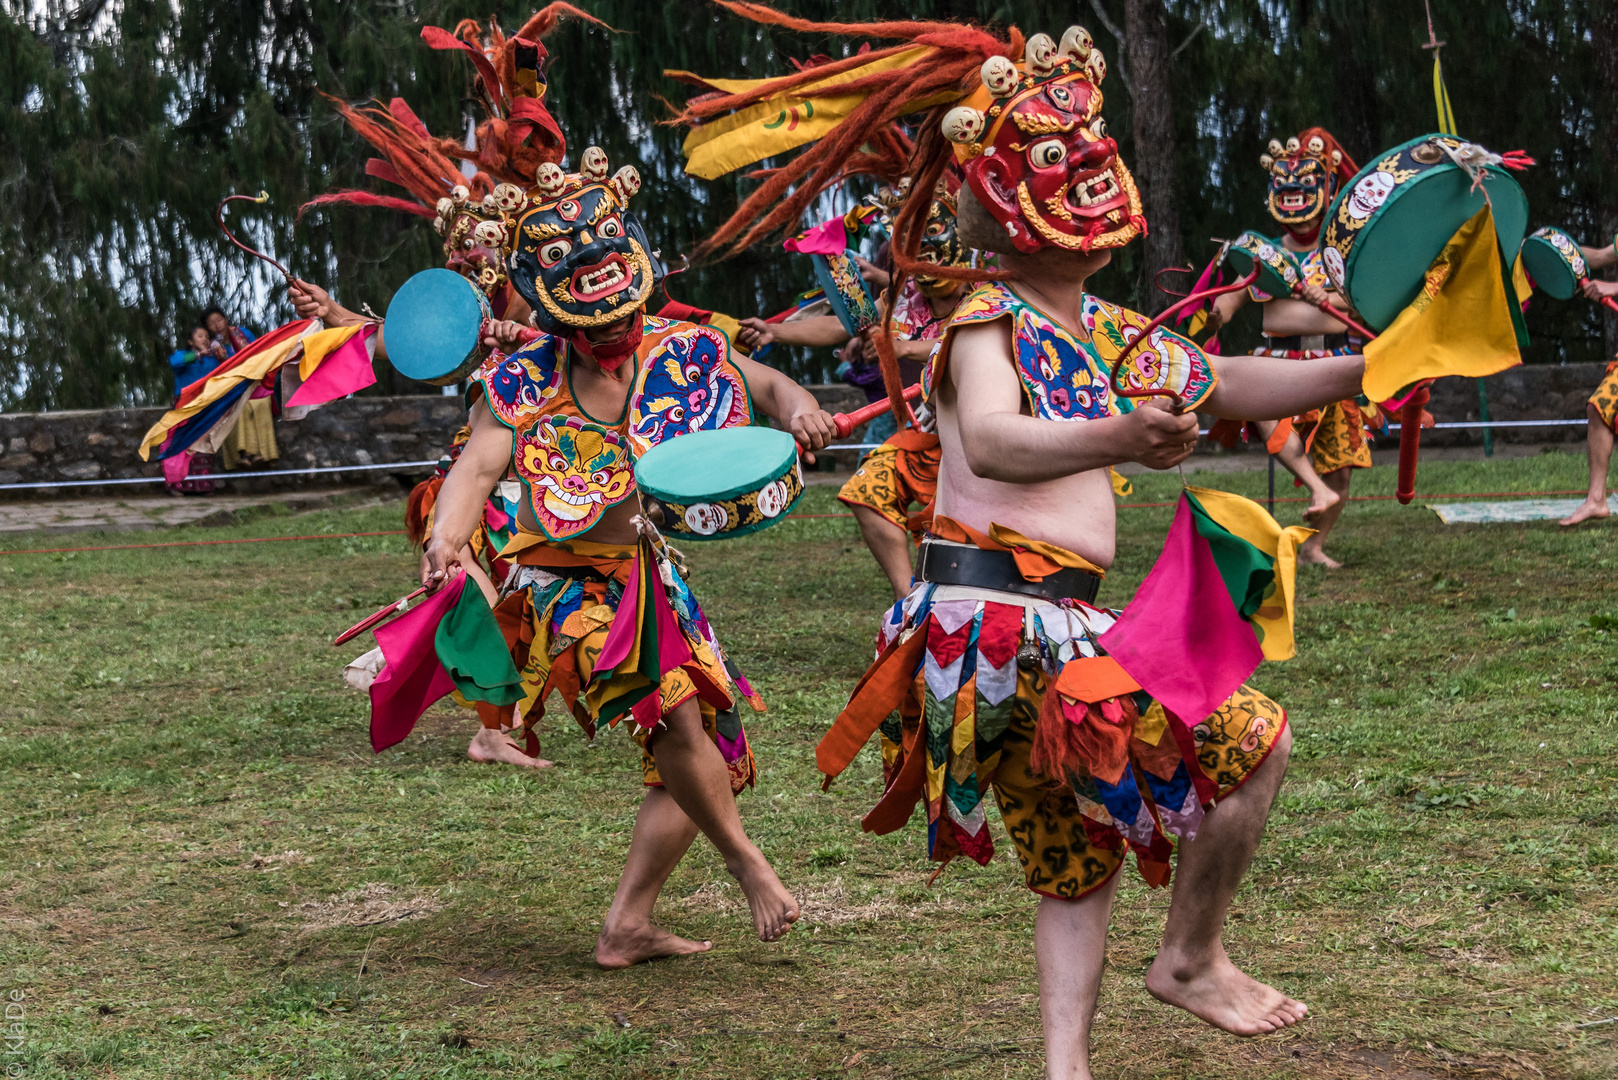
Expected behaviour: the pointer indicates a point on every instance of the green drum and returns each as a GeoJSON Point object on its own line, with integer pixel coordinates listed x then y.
{"type": "Point", "coordinates": [1553, 259]}
{"type": "Point", "coordinates": [1393, 219]}
{"type": "Point", "coordinates": [714, 485]}
{"type": "Point", "coordinates": [1278, 272]}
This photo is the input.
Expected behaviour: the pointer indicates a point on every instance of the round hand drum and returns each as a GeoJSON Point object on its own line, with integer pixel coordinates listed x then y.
{"type": "Point", "coordinates": [714, 485]}
{"type": "Point", "coordinates": [1393, 219]}
{"type": "Point", "coordinates": [434, 327]}
{"type": "Point", "coordinates": [1554, 261]}
{"type": "Point", "coordinates": [847, 291]}
{"type": "Point", "coordinates": [1278, 273]}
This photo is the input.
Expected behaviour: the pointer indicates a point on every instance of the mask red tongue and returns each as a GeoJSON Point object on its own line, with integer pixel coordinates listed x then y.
{"type": "Point", "coordinates": [612, 355]}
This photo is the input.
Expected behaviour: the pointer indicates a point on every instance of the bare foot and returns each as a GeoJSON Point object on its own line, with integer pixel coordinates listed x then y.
{"type": "Point", "coordinates": [1589, 510]}
{"type": "Point", "coordinates": [1221, 994]}
{"type": "Point", "coordinates": [491, 745]}
{"type": "Point", "coordinates": [1321, 499]}
{"type": "Point", "coordinates": [774, 909]}
{"type": "Point", "coordinates": [1313, 555]}
{"type": "Point", "coordinates": [627, 947]}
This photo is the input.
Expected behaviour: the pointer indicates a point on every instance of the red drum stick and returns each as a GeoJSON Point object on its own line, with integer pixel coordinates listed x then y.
{"type": "Point", "coordinates": [845, 423]}
{"type": "Point", "coordinates": [377, 618]}
{"type": "Point", "coordinates": [1410, 444]}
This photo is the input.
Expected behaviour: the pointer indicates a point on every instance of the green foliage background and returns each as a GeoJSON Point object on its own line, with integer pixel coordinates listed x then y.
{"type": "Point", "coordinates": [123, 122]}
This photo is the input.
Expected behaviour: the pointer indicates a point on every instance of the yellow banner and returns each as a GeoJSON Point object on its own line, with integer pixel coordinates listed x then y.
{"type": "Point", "coordinates": [785, 121]}
{"type": "Point", "coordinates": [1459, 324]}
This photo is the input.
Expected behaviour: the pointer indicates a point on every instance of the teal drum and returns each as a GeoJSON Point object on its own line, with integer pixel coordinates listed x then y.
{"type": "Point", "coordinates": [1278, 272]}
{"type": "Point", "coordinates": [714, 485]}
{"type": "Point", "coordinates": [1393, 219]}
{"type": "Point", "coordinates": [434, 327]}
{"type": "Point", "coordinates": [1553, 259]}
{"type": "Point", "coordinates": [848, 294]}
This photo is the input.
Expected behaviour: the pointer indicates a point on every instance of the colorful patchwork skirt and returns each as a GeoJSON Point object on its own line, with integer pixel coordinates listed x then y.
{"type": "Point", "coordinates": [618, 633]}
{"type": "Point", "coordinates": [977, 691]}
{"type": "Point", "coordinates": [1336, 436]}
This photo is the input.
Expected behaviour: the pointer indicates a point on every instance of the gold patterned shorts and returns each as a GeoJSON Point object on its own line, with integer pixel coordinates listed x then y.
{"type": "Point", "coordinates": [1605, 399]}
{"type": "Point", "coordinates": [900, 473]}
{"type": "Point", "coordinates": [1335, 437]}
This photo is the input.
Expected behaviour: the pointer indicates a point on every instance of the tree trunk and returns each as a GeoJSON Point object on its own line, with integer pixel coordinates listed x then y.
{"type": "Point", "coordinates": [1147, 47]}
{"type": "Point", "coordinates": [1604, 42]}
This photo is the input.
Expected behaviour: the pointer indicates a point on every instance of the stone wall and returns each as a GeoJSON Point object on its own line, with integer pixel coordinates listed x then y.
{"type": "Point", "coordinates": [103, 444]}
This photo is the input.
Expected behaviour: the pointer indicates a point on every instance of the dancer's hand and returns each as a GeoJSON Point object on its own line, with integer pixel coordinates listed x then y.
{"type": "Point", "coordinates": [507, 336]}
{"type": "Point", "coordinates": [438, 563]}
{"type": "Point", "coordinates": [1158, 438]}
{"type": "Point", "coordinates": [875, 276]}
{"type": "Point", "coordinates": [1600, 290]}
{"type": "Point", "coordinates": [1314, 294]}
{"type": "Point", "coordinates": [814, 429]}
{"type": "Point", "coordinates": [311, 301]}
{"type": "Point", "coordinates": [754, 334]}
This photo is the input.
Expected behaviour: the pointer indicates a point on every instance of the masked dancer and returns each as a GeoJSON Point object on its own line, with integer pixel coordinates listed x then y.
{"type": "Point", "coordinates": [992, 662]}
{"type": "Point", "coordinates": [1323, 446]}
{"type": "Point", "coordinates": [1603, 404]}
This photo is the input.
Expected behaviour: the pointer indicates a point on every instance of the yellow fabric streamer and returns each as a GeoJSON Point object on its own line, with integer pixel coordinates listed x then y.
{"type": "Point", "coordinates": [1249, 521]}
{"type": "Point", "coordinates": [1458, 324]}
{"type": "Point", "coordinates": [319, 345]}
{"type": "Point", "coordinates": [781, 123]}
{"type": "Point", "coordinates": [254, 369]}
{"type": "Point", "coordinates": [1446, 114]}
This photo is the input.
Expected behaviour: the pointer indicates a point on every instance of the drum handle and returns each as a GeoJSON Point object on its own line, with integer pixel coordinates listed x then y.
{"type": "Point", "coordinates": [219, 219]}
{"type": "Point", "coordinates": [376, 618]}
{"type": "Point", "coordinates": [1343, 318]}
{"type": "Point", "coordinates": [1410, 444]}
{"type": "Point", "coordinates": [845, 423]}
{"type": "Point", "coordinates": [1168, 313]}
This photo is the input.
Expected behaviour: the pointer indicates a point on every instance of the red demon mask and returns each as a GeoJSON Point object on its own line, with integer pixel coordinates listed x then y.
{"type": "Point", "coordinates": [1034, 149]}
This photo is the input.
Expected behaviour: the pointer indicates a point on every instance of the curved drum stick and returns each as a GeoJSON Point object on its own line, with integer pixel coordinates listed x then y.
{"type": "Point", "coordinates": [219, 219]}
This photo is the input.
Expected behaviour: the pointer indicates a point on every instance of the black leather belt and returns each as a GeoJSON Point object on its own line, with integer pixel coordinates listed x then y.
{"type": "Point", "coordinates": [951, 564]}
{"type": "Point", "coordinates": [1303, 342]}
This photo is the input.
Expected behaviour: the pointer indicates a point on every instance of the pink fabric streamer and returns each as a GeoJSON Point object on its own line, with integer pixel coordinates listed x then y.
{"type": "Point", "coordinates": [829, 238]}
{"type": "Point", "coordinates": [1181, 636]}
{"type": "Point", "coordinates": [176, 468]}
{"type": "Point", "coordinates": [412, 678]}
{"type": "Point", "coordinates": [345, 370]}
{"type": "Point", "coordinates": [672, 649]}
{"type": "Point", "coordinates": [625, 623]}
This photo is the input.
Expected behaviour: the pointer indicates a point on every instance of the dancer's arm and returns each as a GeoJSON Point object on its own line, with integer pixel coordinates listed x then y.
{"type": "Point", "coordinates": [313, 302]}
{"type": "Point", "coordinates": [826, 330]}
{"type": "Point", "coordinates": [788, 404]}
{"type": "Point", "coordinates": [1224, 309]}
{"type": "Point", "coordinates": [1263, 388]}
{"type": "Point", "coordinates": [482, 464]}
{"type": "Point", "coordinates": [1002, 443]}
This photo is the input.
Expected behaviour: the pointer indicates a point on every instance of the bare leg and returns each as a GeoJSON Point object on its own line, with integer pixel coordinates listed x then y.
{"type": "Point", "coordinates": [1296, 460]}
{"type": "Point", "coordinates": [663, 834]}
{"type": "Point", "coordinates": [1312, 550]}
{"type": "Point", "coordinates": [1191, 969]}
{"type": "Point", "coordinates": [1600, 449]}
{"type": "Point", "coordinates": [490, 745]}
{"type": "Point", "coordinates": [1070, 942]}
{"type": "Point", "coordinates": [694, 774]}
{"type": "Point", "coordinates": [889, 544]}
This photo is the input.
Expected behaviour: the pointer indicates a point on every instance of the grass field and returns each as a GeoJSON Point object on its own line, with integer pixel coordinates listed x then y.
{"type": "Point", "coordinates": [208, 874]}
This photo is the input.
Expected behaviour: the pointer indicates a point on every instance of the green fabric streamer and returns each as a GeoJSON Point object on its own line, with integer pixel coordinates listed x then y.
{"type": "Point", "coordinates": [1248, 572]}
{"type": "Point", "coordinates": [474, 651]}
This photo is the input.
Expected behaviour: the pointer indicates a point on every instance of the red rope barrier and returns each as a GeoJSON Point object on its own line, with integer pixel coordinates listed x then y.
{"type": "Point", "coordinates": [198, 543]}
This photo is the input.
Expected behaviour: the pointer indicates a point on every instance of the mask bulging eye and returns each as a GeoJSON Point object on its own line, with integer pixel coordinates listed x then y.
{"type": "Point", "coordinates": [611, 228]}
{"type": "Point", "coordinates": [1046, 153]}
{"type": "Point", "coordinates": [554, 252]}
